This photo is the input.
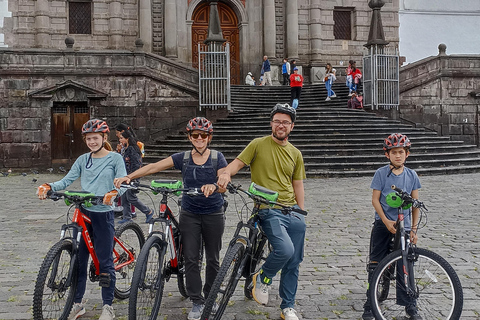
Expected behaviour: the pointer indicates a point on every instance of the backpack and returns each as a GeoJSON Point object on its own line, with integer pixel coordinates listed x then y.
{"type": "Point", "coordinates": [141, 146]}
{"type": "Point", "coordinates": [186, 158]}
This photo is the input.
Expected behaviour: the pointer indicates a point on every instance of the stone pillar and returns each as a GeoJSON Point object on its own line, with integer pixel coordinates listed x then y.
{"type": "Point", "coordinates": [292, 28]}
{"type": "Point", "coordinates": [315, 30]}
{"type": "Point", "coordinates": [115, 25]}
{"type": "Point", "coordinates": [145, 24]}
{"type": "Point", "coordinates": [42, 24]}
{"type": "Point", "coordinates": [269, 34]}
{"type": "Point", "coordinates": [170, 28]}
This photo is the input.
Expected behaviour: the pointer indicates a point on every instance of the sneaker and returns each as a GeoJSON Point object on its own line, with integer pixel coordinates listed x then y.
{"type": "Point", "coordinates": [196, 312]}
{"type": "Point", "coordinates": [149, 216]}
{"type": "Point", "coordinates": [125, 220]}
{"type": "Point", "coordinates": [289, 314]}
{"type": "Point", "coordinates": [107, 313]}
{"type": "Point", "coordinates": [78, 310]}
{"type": "Point", "coordinates": [328, 99]}
{"type": "Point", "coordinates": [350, 94]}
{"type": "Point", "coordinates": [412, 312]}
{"type": "Point", "coordinates": [333, 96]}
{"type": "Point", "coordinates": [367, 315]}
{"type": "Point", "coordinates": [260, 289]}
{"type": "Point", "coordinates": [134, 215]}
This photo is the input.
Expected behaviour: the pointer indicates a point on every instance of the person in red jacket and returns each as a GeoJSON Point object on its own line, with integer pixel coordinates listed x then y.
{"type": "Point", "coordinates": [296, 84]}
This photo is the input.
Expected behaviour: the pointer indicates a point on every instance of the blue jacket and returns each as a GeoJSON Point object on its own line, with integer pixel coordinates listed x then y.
{"type": "Point", "coordinates": [266, 66]}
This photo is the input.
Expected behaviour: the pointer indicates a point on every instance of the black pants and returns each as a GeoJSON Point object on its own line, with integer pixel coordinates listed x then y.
{"type": "Point", "coordinates": [295, 93]}
{"type": "Point", "coordinates": [210, 227]}
{"type": "Point", "coordinates": [286, 79]}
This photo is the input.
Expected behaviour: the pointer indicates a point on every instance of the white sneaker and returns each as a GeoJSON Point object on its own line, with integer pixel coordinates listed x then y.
{"type": "Point", "coordinates": [77, 311]}
{"type": "Point", "coordinates": [107, 313]}
{"type": "Point", "coordinates": [328, 99]}
{"type": "Point", "coordinates": [289, 314]}
{"type": "Point", "coordinates": [260, 290]}
{"type": "Point", "coordinates": [333, 96]}
{"type": "Point", "coordinates": [350, 94]}
{"type": "Point", "coordinates": [196, 312]}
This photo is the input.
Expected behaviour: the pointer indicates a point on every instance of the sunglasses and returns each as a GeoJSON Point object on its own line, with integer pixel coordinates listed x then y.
{"type": "Point", "coordinates": [196, 135]}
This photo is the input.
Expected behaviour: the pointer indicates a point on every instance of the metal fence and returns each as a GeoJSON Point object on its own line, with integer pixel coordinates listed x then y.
{"type": "Point", "coordinates": [381, 78]}
{"type": "Point", "coordinates": [214, 75]}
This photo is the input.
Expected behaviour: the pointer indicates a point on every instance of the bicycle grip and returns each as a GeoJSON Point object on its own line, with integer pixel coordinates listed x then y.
{"type": "Point", "coordinates": [298, 210]}
{"type": "Point", "coordinates": [397, 189]}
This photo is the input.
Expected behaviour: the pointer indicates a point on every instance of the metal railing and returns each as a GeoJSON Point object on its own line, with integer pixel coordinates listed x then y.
{"type": "Point", "coordinates": [381, 78]}
{"type": "Point", "coordinates": [214, 75]}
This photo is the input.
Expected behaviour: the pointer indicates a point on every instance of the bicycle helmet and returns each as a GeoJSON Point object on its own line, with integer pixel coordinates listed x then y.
{"type": "Point", "coordinates": [396, 140]}
{"type": "Point", "coordinates": [95, 125]}
{"type": "Point", "coordinates": [283, 108]}
{"type": "Point", "coordinates": [200, 123]}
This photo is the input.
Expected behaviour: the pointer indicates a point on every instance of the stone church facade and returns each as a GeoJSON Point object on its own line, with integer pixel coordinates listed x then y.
{"type": "Point", "coordinates": [134, 61]}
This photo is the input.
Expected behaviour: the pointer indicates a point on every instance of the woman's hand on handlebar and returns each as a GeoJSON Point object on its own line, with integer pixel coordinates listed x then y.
{"type": "Point", "coordinates": [118, 181]}
{"type": "Point", "coordinates": [209, 189]}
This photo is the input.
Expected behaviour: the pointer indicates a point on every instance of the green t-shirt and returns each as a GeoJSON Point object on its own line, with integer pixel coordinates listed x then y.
{"type": "Point", "coordinates": [274, 166]}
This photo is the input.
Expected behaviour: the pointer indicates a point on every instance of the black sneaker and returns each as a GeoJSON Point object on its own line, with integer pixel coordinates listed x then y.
{"type": "Point", "coordinates": [367, 315]}
{"type": "Point", "coordinates": [412, 312]}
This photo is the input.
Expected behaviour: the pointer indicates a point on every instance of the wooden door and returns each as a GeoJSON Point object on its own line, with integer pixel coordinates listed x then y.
{"type": "Point", "coordinates": [67, 122]}
{"type": "Point", "coordinates": [229, 24]}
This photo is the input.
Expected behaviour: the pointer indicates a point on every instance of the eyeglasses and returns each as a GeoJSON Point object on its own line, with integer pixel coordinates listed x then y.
{"type": "Point", "coordinates": [196, 135]}
{"type": "Point", "coordinates": [278, 122]}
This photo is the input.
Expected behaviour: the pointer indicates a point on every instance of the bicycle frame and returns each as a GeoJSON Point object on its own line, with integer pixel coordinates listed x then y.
{"type": "Point", "coordinates": [405, 246]}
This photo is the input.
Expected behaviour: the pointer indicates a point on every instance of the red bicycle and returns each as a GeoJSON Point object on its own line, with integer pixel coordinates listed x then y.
{"type": "Point", "coordinates": [57, 279]}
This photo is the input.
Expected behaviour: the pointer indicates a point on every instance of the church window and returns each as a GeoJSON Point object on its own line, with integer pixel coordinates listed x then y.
{"type": "Point", "coordinates": [80, 17]}
{"type": "Point", "coordinates": [342, 20]}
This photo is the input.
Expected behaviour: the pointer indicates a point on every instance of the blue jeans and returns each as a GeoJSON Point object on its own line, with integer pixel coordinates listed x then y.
{"type": "Point", "coordinates": [286, 234]}
{"type": "Point", "coordinates": [328, 85]}
{"type": "Point", "coordinates": [101, 231]}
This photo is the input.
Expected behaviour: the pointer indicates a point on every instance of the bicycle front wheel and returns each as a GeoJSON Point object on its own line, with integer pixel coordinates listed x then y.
{"type": "Point", "coordinates": [225, 283]}
{"type": "Point", "coordinates": [438, 291]}
{"type": "Point", "coordinates": [54, 289]}
{"type": "Point", "coordinates": [130, 235]}
{"type": "Point", "coordinates": [148, 282]}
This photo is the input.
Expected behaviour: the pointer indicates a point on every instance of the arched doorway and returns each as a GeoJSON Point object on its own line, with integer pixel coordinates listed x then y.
{"type": "Point", "coordinates": [229, 24]}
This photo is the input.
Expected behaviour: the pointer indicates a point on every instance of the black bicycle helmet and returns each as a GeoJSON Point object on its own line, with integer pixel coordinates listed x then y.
{"type": "Point", "coordinates": [396, 140]}
{"type": "Point", "coordinates": [95, 125]}
{"type": "Point", "coordinates": [200, 123]}
{"type": "Point", "coordinates": [283, 108]}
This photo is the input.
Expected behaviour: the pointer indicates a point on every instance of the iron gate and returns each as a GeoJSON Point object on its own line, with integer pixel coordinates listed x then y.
{"type": "Point", "coordinates": [214, 75]}
{"type": "Point", "coordinates": [380, 78]}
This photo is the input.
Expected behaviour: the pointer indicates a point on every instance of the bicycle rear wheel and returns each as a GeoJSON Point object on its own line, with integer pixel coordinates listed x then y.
{"type": "Point", "coordinates": [148, 281]}
{"type": "Point", "coordinates": [225, 283]}
{"type": "Point", "coordinates": [131, 236]}
{"type": "Point", "coordinates": [52, 297]}
{"type": "Point", "coordinates": [438, 289]}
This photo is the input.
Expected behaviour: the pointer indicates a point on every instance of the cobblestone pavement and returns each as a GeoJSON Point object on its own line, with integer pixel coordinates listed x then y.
{"type": "Point", "coordinates": [332, 276]}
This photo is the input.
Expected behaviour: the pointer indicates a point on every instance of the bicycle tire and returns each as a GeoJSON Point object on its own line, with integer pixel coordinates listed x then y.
{"type": "Point", "coordinates": [51, 299]}
{"type": "Point", "coordinates": [148, 281]}
{"type": "Point", "coordinates": [439, 291]}
{"type": "Point", "coordinates": [260, 254]}
{"type": "Point", "coordinates": [132, 237]}
{"type": "Point", "coordinates": [225, 283]}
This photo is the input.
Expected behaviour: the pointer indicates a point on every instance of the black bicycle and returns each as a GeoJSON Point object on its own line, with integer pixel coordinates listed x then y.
{"type": "Point", "coordinates": [161, 256]}
{"type": "Point", "coordinates": [57, 279]}
{"type": "Point", "coordinates": [424, 277]}
{"type": "Point", "coordinates": [245, 252]}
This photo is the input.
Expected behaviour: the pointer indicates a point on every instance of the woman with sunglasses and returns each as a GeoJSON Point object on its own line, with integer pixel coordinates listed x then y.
{"type": "Point", "coordinates": [200, 216]}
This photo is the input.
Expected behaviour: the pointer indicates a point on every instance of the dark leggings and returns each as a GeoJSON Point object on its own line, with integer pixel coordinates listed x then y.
{"type": "Point", "coordinates": [210, 227]}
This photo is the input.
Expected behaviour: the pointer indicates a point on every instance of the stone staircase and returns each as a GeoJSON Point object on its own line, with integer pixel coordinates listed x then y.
{"type": "Point", "coordinates": [334, 140]}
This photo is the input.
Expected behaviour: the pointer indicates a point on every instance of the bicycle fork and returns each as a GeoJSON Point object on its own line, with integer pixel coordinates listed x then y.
{"type": "Point", "coordinates": [407, 261]}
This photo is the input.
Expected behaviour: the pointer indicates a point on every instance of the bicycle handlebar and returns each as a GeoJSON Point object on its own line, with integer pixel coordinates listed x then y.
{"type": "Point", "coordinates": [162, 190]}
{"type": "Point", "coordinates": [407, 198]}
{"type": "Point", "coordinates": [76, 197]}
{"type": "Point", "coordinates": [256, 198]}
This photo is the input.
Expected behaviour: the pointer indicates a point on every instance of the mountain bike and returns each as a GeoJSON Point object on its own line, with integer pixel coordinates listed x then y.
{"type": "Point", "coordinates": [161, 256]}
{"type": "Point", "coordinates": [57, 279]}
{"type": "Point", "coordinates": [245, 252]}
{"type": "Point", "coordinates": [421, 276]}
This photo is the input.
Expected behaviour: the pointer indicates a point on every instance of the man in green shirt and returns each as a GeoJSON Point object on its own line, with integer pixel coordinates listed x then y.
{"type": "Point", "coordinates": [277, 165]}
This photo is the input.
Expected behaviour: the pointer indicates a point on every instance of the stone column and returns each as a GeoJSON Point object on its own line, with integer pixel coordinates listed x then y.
{"type": "Point", "coordinates": [292, 28]}
{"type": "Point", "coordinates": [115, 25]}
{"type": "Point", "coordinates": [145, 24]}
{"type": "Point", "coordinates": [170, 28]}
{"type": "Point", "coordinates": [315, 30]}
{"type": "Point", "coordinates": [42, 24]}
{"type": "Point", "coordinates": [269, 34]}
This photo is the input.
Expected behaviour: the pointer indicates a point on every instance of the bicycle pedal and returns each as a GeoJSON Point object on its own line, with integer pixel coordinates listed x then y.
{"type": "Point", "coordinates": [104, 280]}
